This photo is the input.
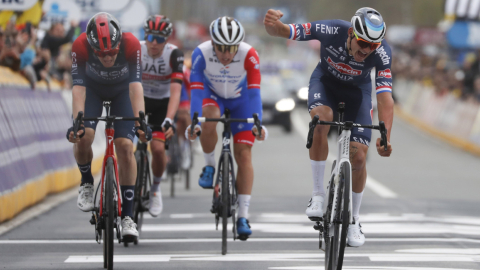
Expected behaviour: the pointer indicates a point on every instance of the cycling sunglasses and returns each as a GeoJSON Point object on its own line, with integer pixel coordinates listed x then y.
{"type": "Point", "coordinates": [366, 44]}
{"type": "Point", "coordinates": [111, 52]}
{"type": "Point", "coordinates": [159, 39]}
{"type": "Point", "coordinates": [225, 48]}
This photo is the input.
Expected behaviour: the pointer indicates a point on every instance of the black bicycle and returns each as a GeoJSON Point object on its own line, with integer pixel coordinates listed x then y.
{"type": "Point", "coordinates": [338, 214]}
{"type": "Point", "coordinates": [225, 192]}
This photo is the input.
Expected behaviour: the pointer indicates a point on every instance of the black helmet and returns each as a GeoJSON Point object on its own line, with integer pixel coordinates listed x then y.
{"type": "Point", "coordinates": [103, 32]}
{"type": "Point", "coordinates": [158, 25]}
{"type": "Point", "coordinates": [368, 24]}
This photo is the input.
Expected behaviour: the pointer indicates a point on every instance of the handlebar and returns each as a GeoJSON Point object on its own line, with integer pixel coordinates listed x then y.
{"type": "Point", "coordinates": [79, 120]}
{"type": "Point", "coordinates": [347, 124]}
{"type": "Point", "coordinates": [255, 120]}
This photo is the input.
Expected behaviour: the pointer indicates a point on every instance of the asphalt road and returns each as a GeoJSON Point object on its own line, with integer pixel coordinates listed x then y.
{"type": "Point", "coordinates": [420, 211]}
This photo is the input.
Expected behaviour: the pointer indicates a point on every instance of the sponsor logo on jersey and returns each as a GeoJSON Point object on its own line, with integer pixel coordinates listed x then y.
{"type": "Point", "coordinates": [252, 58]}
{"type": "Point", "coordinates": [355, 63]}
{"type": "Point", "coordinates": [307, 27]}
{"type": "Point", "coordinates": [387, 73]}
{"type": "Point", "coordinates": [331, 51]}
{"type": "Point", "coordinates": [325, 29]}
{"type": "Point", "coordinates": [383, 55]}
{"type": "Point", "coordinates": [344, 68]}
{"type": "Point", "coordinates": [74, 63]}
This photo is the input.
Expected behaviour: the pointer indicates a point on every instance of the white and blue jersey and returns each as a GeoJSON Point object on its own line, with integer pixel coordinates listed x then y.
{"type": "Point", "coordinates": [339, 78]}
{"type": "Point", "coordinates": [235, 86]}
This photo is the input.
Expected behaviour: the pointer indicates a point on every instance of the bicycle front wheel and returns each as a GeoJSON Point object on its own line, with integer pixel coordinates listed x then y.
{"type": "Point", "coordinates": [225, 200]}
{"type": "Point", "coordinates": [341, 219]}
{"type": "Point", "coordinates": [109, 214]}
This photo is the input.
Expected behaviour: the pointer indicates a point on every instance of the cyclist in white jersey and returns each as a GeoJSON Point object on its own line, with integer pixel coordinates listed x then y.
{"type": "Point", "coordinates": [226, 75]}
{"type": "Point", "coordinates": [162, 78]}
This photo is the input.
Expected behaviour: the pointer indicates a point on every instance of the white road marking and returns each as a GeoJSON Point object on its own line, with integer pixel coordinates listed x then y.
{"type": "Point", "coordinates": [381, 190]}
{"type": "Point", "coordinates": [363, 268]}
{"type": "Point", "coordinates": [241, 257]}
{"type": "Point", "coordinates": [464, 251]}
{"type": "Point", "coordinates": [218, 240]}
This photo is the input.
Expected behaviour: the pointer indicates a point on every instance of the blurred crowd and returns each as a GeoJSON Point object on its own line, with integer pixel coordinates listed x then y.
{"type": "Point", "coordinates": [38, 55]}
{"type": "Point", "coordinates": [440, 67]}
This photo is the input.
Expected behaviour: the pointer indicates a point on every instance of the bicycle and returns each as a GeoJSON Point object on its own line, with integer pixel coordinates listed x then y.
{"type": "Point", "coordinates": [106, 216]}
{"type": "Point", "coordinates": [175, 169]}
{"type": "Point", "coordinates": [225, 192]}
{"type": "Point", "coordinates": [338, 214]}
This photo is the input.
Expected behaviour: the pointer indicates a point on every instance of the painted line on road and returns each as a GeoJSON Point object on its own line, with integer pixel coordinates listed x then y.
{"type": "Point", "coordinates": [364, 268]}
{"type": "Point", "coordinates": [265, 240]}
{"type": "Point", "coordinates": [242, 257]}
{"type": "Point", "coordinates": [381, 190]}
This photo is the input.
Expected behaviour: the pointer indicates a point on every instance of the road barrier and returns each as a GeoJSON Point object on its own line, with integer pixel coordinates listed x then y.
{"type": "Point", "coordinates": [444, 116]}
{"type": "Point", "coordinates": [35, 157]}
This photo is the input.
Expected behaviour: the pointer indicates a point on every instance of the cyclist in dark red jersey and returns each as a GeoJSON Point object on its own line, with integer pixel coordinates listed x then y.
{"type": "Point", "coordinates": [106, 66]}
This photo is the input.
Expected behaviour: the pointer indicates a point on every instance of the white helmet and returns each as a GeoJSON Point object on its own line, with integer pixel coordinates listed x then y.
{"type": "Point", "coordinates": [226, 31]}
{"type": "Point", "coordinates": [369, 25]}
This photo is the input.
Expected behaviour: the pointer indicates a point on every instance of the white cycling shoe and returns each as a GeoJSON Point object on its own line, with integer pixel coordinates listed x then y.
{"type": "Point", "coordinates": [155, 206]}
{"type": "Point", "coordinates": [129, 229]}
{"type": "Point", "coordinates": [355, 236]}
{"type": "Point", "coordinates": [85, 197]}
{"type": "Point", "coordinates": [315, 208]}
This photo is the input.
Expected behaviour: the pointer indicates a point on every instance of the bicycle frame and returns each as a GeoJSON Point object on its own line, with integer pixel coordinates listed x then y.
{"type": "Point", "coordinates": [343, 156]}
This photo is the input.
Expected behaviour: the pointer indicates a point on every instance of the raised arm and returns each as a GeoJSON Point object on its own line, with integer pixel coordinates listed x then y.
{"type": "Point", "coordinates": [274, 26]}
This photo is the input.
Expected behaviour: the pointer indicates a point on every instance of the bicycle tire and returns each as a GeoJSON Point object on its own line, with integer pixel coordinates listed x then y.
{"type": "Point", "coordinates": [140, 191]}
{"type": "Point", "coordinates": [335, 248]}
{"type": "Point", "coordinates": [326, 224]}
{"type": "Point", "coordinates": [225, 200]}
{"type": "Point", "coordinates": [109, 213]}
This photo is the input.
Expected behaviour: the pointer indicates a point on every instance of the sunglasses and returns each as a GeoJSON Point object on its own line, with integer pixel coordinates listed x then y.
{"type": "Point", "coordinates": [111, 52]}
{"type": "Point", "coordinates": [159, 39]}
{"type": "Point", "coordinates": [225, 48]}
{"type": "Point", "coordinates": [365, 44]}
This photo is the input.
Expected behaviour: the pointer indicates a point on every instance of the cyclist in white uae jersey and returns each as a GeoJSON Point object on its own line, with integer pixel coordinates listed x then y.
{"type": "Point", "coordinates": [162, 77]}
{"type": "Point", "coordinates": [349, 51]}
{"type": "Point", "coordinates": [226, 75]}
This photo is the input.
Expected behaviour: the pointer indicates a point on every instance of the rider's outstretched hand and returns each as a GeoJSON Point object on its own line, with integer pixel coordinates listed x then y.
{"type": "Point", "coordinates": [271, 17]}
{"type": "Point", "coordinates": [167, 128]}
{"type": "Point", "coordinates": [381, 149]}
{"type": "Point", "coordinates": [143, 136]}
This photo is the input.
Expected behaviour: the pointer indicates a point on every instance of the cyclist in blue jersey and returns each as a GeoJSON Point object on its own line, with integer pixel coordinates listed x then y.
{"type": "Point", "coordinates": [226, 75]}
{"type": "Point", "coordinates": [349, 51]}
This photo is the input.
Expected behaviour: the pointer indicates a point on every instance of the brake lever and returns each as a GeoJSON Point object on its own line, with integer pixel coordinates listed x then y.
{"type": "Point", "coordinates": [312, 126]}
{"type": "Point", "coordinates": [383, 134]}
{"type": "Point", "coordinates": [78, 122]}
{"type": "Point", "coordinates": [257, 123]}
{"type": "Point", "coordinates": [194, 123]}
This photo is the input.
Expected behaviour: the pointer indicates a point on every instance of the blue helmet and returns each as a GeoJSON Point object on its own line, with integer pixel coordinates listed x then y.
{"type": "Point", "coordinates": [368, 24]}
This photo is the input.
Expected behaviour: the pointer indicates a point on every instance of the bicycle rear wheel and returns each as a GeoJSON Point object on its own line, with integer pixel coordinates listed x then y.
{"type": "Point", "coordinates": [109, 214]}
{"type": "Point", "coordinates": [225, 200]}
{"type": "Point", "coordinates": [341, 220]}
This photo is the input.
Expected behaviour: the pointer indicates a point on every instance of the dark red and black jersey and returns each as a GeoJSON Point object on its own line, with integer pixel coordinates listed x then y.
{"type": "Point", "coordinates": [87, 68]}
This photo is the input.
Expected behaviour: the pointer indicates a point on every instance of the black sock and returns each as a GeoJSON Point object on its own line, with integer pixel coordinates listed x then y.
{"type": "Point", "coordinates": [86, 171]}
{"type": "Point", "coordinates": [127, 198]}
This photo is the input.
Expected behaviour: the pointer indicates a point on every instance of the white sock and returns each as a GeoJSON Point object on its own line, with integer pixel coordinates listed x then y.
{"type": "Point", "coordinates": [209, 159]}
{"type": "Point", "coordinates": [318, 170]}
{"type": "Point", "coordinates": [243, 204]}
{"type": "Point", "coordinates": [356, 202]}
{"type": "Point", "coordinates": [156, 183]}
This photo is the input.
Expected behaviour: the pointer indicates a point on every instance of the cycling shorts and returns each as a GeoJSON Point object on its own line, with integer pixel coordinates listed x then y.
{"type": "Point", "coordinates": [325, 90]}
{"type": "Point", "coordinates": [239, 108]}
{"type": "Point", "coordinates": [120, 106]}
{"type": "Point", "coordinates": [157, 110]}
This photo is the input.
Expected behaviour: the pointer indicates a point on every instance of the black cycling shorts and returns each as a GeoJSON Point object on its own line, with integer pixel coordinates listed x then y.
{"type": "Point", "coordinates": [157, 110]}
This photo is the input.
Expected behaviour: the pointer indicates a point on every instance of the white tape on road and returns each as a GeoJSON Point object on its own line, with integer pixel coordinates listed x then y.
{"type": "Point", "coordinates": [301, 126]}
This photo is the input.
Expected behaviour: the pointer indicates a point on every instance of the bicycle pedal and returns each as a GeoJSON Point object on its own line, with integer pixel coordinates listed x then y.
{"type": "Point", "coordinates": [316, 218]}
